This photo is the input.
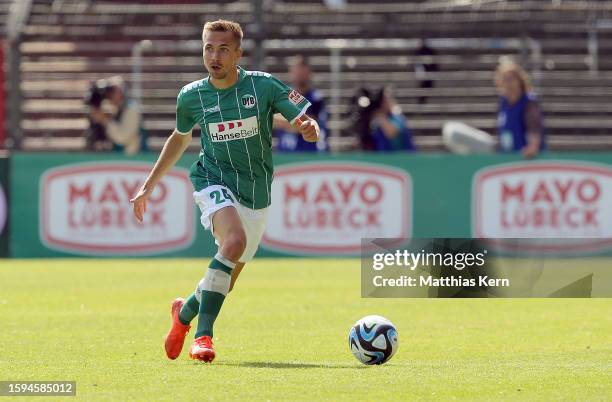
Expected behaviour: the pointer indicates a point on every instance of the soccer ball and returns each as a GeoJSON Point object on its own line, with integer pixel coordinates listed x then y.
{"type": "Point", "coordinates": [373, 340]}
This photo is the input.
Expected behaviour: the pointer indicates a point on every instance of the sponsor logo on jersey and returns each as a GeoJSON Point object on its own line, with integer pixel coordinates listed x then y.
{"type": "Point", "coordinates": [233, 129]}
{"type": "Point", "coordinates": [567, 201]}
{"type": "Point", "coordinates": [213, 109]}
{"type": "Point", "coordinates": [248, 101]}
{"type": "Point", "coordinates": [84, 210]}
{"type": "Point", "coordinates": [326, 208]}
{"type": "Point", "coordinates": [295, 97]}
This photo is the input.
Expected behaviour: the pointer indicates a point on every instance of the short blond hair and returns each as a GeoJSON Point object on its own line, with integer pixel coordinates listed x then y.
{"type": "Point", "coordinates": [508, 65]}
{"type": "Point", "coordinates": [225, 26]}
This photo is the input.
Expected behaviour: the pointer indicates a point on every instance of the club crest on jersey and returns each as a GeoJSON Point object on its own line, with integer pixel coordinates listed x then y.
{"type": "Point", "coordinates": [248, 101]}
{"type": "Point", "coordinates": [233, 129]}
{"type": "Point", "coordinates": [295, 97]}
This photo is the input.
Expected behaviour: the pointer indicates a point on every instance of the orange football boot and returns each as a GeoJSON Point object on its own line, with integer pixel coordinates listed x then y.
{"type": "Point", "coordinates": [202, 349]}
{"type": "Point", "coordinates": [176, 336]}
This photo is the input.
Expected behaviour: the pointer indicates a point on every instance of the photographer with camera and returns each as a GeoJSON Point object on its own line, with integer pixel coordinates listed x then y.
{"type": "Point", "coordinates": [379, 122]}
{"type": "Point", "coordinates": [122, 131]}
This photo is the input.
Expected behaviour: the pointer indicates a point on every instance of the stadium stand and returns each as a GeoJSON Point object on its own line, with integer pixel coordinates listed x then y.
{"type": "Point", "coordinates": [68, 43]}
{"type": "Point", "coordinates": [4, 11]}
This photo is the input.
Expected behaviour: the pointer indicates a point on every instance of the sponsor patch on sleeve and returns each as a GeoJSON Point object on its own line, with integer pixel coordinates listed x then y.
{"type": "Point", "coordinates": [295, 97]}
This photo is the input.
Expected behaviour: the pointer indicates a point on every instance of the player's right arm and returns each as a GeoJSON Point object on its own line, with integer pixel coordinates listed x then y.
{"type": "Point", "coordinates": [174, 147]}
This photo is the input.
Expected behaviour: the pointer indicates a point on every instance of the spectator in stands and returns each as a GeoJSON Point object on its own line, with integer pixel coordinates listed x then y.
{"type": "Point", "coordinates": [122, 131]}
{"type": "Point", "coordinates": [359, 119]}
{"type": "Point", "coordinates": [388, 126]}
{"type": "Point", "coordinates": [289, 139]}
{"type": "Point", "coordinates": [424, 65]}
{"type": "Point", "coordinates": [519, 118]}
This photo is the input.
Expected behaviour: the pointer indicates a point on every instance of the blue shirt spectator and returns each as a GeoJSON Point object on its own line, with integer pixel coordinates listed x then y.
{"type": "Point", "coordinates": [401, 141]}
{"type": "Point", "coordinates": [289, 141]}
{"type": "Point", "coordinates": [288, 138]}
{"type": "Point", "coordinates": [519, 119]}
{"type": "Point", "coordinates": [388, 126]}
{"type": "Point", "coordinates": [513, 120]}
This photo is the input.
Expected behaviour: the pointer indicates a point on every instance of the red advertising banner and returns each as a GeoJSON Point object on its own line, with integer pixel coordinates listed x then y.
{"type": "Point", "coordinates": [84, 210]}
{"type": "Point", "coordinates": [544, 200]}
{"type": "Point", "coordinates": [327, 207]}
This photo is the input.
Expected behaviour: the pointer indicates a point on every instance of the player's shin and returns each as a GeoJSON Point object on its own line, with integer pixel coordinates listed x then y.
{"type": "Point", "coordinates": [190, 309]}
{"type": "Point", "coordinates": [211, 292]}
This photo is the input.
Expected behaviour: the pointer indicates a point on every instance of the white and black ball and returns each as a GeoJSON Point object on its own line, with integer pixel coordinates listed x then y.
{"type": "Point", "coordinates": [373, 340]}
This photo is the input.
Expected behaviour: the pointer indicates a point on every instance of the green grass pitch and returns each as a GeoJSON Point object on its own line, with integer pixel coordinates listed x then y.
{"type": "Point", "coordinates": [282, 335]}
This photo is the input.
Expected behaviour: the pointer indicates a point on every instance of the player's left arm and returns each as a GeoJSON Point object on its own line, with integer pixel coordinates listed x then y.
{"type": "Point", "coordinates": [308, 128]}
{"type": "Point", "coordinates": [292, 105]}
{"type": "Point", "coordinates": [280, 123]}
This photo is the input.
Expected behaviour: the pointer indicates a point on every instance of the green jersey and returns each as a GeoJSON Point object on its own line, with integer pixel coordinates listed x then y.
{"type": "Point", "coordinates": [236, 132]}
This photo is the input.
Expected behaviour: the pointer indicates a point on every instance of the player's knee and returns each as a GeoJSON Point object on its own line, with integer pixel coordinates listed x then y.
{"type": "Point", "coordinates": [234, 244]}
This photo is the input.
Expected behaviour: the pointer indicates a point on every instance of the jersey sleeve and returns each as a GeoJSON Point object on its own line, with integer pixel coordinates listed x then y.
{"type": "Point", "coordinates": [184, 118]}
{"type": "Point", "coordinates": [286, 101]}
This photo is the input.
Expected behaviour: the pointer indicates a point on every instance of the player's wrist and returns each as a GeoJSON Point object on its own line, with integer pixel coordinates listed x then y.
{"type": "Point", "coordinates": [148, 186]}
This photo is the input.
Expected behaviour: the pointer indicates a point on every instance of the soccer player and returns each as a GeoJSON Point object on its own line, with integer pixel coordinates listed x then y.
{"type": "Point", "coordinates": [233, 174]}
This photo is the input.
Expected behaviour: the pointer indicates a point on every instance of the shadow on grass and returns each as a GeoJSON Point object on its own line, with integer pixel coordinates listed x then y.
{"type": "Point", "coordinates": [290, 365]}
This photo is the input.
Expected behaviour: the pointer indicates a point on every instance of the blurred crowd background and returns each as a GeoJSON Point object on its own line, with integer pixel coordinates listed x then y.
{"type": "Point", "coordinates": [384, 76]}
